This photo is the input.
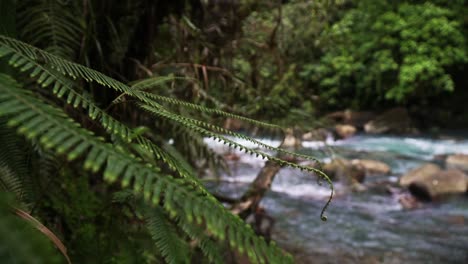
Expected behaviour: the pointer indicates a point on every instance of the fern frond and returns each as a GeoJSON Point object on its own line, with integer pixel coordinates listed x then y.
{"type": "Point", "coordinates": [221, 130]}
{"type": "Point", "coordinates": [78, 71]}
{"type": "Point", "coordinates": [208, 110]}
{"type": "Point", "coordinates": [51, 25]}
{"type": "Point", "coordinates": [235, 145]}
{"type": "Point", "coordinates": [172, 247]}
{"type": "Point", "coordinates": [63, 88]}
{"type": "Point", "coordinates": [146, 84]}
{"type": "Point", "coordinates": [153, 82]}
{"type": "Point", "coordinates": [23, 52]}
{"type": "Point", "coordinates": [211, 249]}
{"type": "Point", "coordinates": [71, 69]}
{"type": "Point", "coordinates": [192, 144]}
{"type": "Point", "coordinates": [9, 181]}
{"type": "Point", "coordinates": [14, 170]}
{"type": "Point", "coordinates": [177, 159]}
{"type": "Point", "coordinates": [66, 136]}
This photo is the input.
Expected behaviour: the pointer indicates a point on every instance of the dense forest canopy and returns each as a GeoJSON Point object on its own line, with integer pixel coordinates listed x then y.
{"type": "Point", "coordinates": [104, 107]}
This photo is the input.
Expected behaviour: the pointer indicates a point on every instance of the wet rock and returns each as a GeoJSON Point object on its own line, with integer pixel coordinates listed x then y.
{"type": "Point", "coordinates": [233, 124]}
{"type": "Point", "coordinates": [459, 220]}
{"type": "Point", "coordinates": [344, 170]}
{"type": "Point", "coordinates": [345, 131]}
{"type": "Point", "coordinates": [291, 140]}
{"type": "Point", "coordinates": [409, 202]}
{"type": "Point", "coordinates": [457, 161]}
{"type": "Point", "coordinates": [372, 167]}
{"type": "Point", "coordinates": [358, 187]}
{"type": "Point", "coordinates": [421, 173]}
{"type": "Point", "coordinates": [393, 190]}
{"type": "Point", "coordinates": [349, 117]}
{"type": "Point", "coordinates": [396, 120]}
{"type": "Point", "coordinates": [319, 134]}
{"type": "Point", "coordinates": [438, 184]}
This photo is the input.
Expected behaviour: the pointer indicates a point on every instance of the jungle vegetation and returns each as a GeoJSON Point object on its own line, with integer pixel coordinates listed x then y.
{"type": "Point", "coordinates": [104, 107]}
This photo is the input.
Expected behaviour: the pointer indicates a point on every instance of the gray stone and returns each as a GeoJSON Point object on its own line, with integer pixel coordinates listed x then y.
{"type": "Point", "coordinates": [421, 173]}
{"type": "Point", "coordinates": [396, 120]}
{"type": "Point", "coordinates": [457, 161]}
{"type": "Point", "coordinates": [372, 167]}
{"type": "Point", "coordinates": [345, 131]}
{"type": "Point", "coordinates": [438, 184]}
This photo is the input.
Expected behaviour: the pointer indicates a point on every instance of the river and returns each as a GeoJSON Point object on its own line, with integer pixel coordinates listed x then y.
{"type": "Point", "coordinates": [365, 227]}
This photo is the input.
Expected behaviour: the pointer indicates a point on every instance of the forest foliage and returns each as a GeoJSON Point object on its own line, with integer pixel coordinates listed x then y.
{"type": "Point", "coordinates": [92, 92]}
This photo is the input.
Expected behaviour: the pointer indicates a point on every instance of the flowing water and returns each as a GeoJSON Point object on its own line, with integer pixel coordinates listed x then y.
{"type": "Point", "coordinates": [366, 227]}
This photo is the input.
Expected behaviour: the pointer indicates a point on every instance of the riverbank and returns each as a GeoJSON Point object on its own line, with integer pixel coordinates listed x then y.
{"type": "Point", "coordinates": [364, 227]}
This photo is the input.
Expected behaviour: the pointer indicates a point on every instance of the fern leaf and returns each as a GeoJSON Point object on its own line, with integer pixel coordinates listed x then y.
{"type": "Point", "coordinates": [208, 110]}
{"type": "Point", "coordinates": [64, 88]}
{"type": "Point", "coordinates": [221, 130]}
{"type": "Point", "coordinates": [211, 249]}
{"type": "Point", "coordinates": [171, 246]}
{"type": "Point", "coordinates": [233, 144]}
{"type": "Point", "coordinates": [75, 70]}
{"type": "Point", "coordinates": [50, 24]}
{"type": "Point", "coordinates": [176, 192]}
{"type": "Point", "coordinates": [14, 170]}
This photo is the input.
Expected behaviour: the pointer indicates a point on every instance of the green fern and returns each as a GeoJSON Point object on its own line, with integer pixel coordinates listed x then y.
{"type": "Point", "coordinates": [221, 130]}
{"type": "Point", "coordinates": [22, 52]}
{"type": "Point", "coordinates": [63, 88]}
{"type": "Point", "coordinates": [206, 109]}
{"type": "Point", "coordinates": [15, 174]}
{"type": "Point", "coordinates": [54, 130]}
{"type": "Point", "coordinates": [52, 25]}
{"type": "Point", "coordinates": [240, 147]}
{"type": "Point", "coordinates": [172, 247]}
{"type": "Point", "coordinates": [129, 160]}
{"type": "Point", "coordinates": [211, 249]}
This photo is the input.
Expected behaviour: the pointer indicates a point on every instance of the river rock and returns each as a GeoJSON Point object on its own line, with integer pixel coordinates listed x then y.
{"type": "Point", "coordinates": [421, 173]}
{"type": "Point", "coordinates": [291, 139]}
{"type": "Point", "coordinates": [457, 161]}
{"type": "Point", "coordinates": [233, 124]}
{"type": "Point", "coordinates": [344, 170]}
{"type": "Point", "coordinates": [349, 117]}
{"type": "Point", "coordinates": [319, 134]}
{"type": "Point", "coordinates": [345, 131]}
{"type": "Point", "coordinates": [372, 166]}
{"type": "Point", "coordinates": [438, 184]}
{"type": "Point", "coordinates": [396, 120]}
{"type": "Point", "coordinates": [409, 202]}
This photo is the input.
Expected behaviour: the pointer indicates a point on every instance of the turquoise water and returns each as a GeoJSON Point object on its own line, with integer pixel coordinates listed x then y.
{"type": "Point", "coordinates": [367, 227]}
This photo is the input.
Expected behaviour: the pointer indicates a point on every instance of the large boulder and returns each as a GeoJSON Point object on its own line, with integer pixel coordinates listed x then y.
{"type": "Point", "coordinates": [372, 167]}
{"type": "Point", "coordinates": [438, 184]}
{"type": "Point", "coordinates": [421, 173]}
{"type": "Point", "coordinates": [396, 120]}
{"type": "Point", "coordinates": [345, 171]}
{"type": "Point", "coordinates": [345, 131]}
{"type": "Point", "coordinates": [457, 161]}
